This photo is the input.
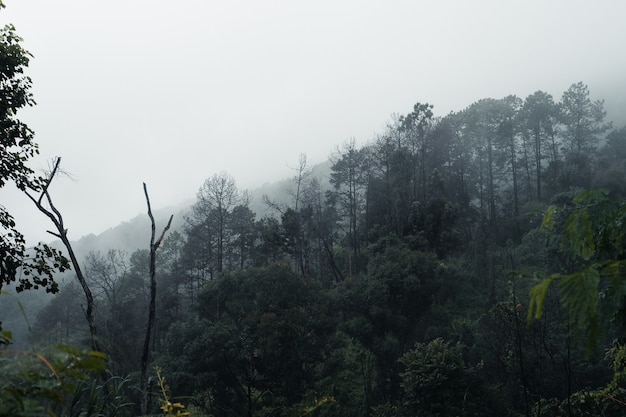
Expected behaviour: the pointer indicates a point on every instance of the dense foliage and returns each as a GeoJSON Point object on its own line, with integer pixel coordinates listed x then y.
{"type": "Point", "coordinates": [451, 266]}
{"type": "Point", "coordinates": [399, 285]}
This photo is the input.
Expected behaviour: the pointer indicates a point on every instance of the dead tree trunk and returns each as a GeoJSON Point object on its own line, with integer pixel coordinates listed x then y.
{"type": "Point", "coordinates": [55, 216]}
{"type": "Point", "coordinates": [152, 310]}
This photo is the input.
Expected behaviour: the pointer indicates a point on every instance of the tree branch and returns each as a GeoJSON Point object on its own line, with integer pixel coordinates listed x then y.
{"type": "Point", "coordinates": [57, 162]}
{"type": "Point", "coordinates": [57, 219]}
{"type": "Point", "coordinates": [152, 309]}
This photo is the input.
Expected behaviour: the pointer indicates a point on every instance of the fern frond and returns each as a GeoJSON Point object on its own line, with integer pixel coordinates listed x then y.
{"type": "Point", "coordinates": [579, 293]}
{"type": "Point", "coordinates": [537, 297]}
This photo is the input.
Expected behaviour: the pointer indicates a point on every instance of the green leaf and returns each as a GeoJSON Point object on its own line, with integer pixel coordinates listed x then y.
{"type": "Point", "coordinates": [537, 297]}
{"type": "Point", "coordinates": [579, 234]}
{"type": "Point", "coordinates": [97, 354]}
{"type": "Point", "coordinates": [580, 296]}
{"type": "Point", "coordinates": [90, 363]}
{"type": "Point", "coordinates": [591, 196]}
{"type": "Point", "coordinates": [548, 219]}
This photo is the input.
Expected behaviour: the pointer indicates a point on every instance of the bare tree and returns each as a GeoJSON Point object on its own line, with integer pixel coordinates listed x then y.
{"type": "Point", "coordinates": [154, 245]}
{"type": "Point", "coordinates": [45, 205]}
{"type": "Point", "coordinates": [109, 278]}
{"type": "Point", "coordinates": [303, 172]}
{"type": "Point", "coordinates": [107, 274]}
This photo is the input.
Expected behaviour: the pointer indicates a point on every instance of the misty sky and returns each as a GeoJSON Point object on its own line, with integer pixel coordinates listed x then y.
{"type": "Point", "coordinates": [172, 92]}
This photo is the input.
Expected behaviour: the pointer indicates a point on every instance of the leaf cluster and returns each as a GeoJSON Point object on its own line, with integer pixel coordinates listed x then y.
{"type": "Point", "coordinates": [34, 382]}
{"type": "Point", "coordinates": [590, 231]}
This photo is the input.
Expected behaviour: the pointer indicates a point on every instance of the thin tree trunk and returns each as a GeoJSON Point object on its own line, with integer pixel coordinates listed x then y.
{"type": "Point", "coordinates": [515, 186]}
{"type": "Point", "coordinates": [152, 310]}
{"type": "Point", "coordinates": [537, 135]}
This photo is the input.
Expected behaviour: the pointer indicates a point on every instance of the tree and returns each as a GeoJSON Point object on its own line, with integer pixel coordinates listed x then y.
{"type": "Point", "coordinates": [45, 205]}
{"type": "Point", "coordinates": [154, 245]}
{"type": "Point", "coordinates": [118, 293]}
{"type": "Point", "coordinates": [612, 173]}
{"type": "Point", "coordinates": [243, 228]}
{"type": "Point", "coordinates": [481, 124]}
{"type": "Point", "coordinates": [17, 147]}
{"type": "Point", "coordinates": [296, 238]}
{"type": "Point", "coordinates": [436, 379]}
{"type": "Point", "coordinates": [415, 127]}
{"type": "Point", "coordinates": [302, 175]}
{"type": "Point", "coordinates": [349, 180]}
{"type": "Point", "coordinates": [434, 220]}
{"type": "Point", "coordinates": [583, 119]}
{"type": "Point", "coordinates": [583, 123]}
{"type": "Point", "coordinates": [456, 153]}
{"type": "Point", "coordinates": [489, 138]}
{"type": "Point", "coordinates": [254, 344]}
{"type": "Point", "coordinates": [508, 145]}
{"type": "Point", "coordinates": [325, 224]}
{"type": "Point", "coordinates": [270, 247]}
{"type": "Point", "coordinates": [216, 199]}
{"type": "Point", "coordinates": [295, 217]}
{"type": "Point", "coordinates": [107, 275]}
{"type": "Point", "coordinates": [172, 271]}
{"type": "Point", "coordinates": [589, 233]}
{"type": "Point", "coordinates": [197, 254]}
{"type": "Point", "coordinates": [538, 118]}
{"type": "Point", "coordinates": [389, 183]}
{"type": "Point", "coordinates": [60, 320]}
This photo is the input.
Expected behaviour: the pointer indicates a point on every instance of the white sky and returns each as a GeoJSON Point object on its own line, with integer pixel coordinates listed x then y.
{"type": "Point", "coordinates": [171, 92]}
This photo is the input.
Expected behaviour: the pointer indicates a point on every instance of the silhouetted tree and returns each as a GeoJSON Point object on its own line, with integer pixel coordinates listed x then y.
{"type": "Point", "coordinates": [538, 118]}
{"type": "Point", "coordinates": [145, 355]}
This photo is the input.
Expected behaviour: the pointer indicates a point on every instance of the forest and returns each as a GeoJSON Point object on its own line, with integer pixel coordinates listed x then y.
{"type": "Point", "coordinates": [464, 265]}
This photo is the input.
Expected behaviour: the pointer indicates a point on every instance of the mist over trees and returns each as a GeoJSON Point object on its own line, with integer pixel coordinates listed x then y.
{"type": "Point", "coordinates": [468, 264]}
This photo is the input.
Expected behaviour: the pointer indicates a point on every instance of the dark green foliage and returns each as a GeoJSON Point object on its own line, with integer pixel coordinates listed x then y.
{"type": "Point", "coordinates": [386, 290]}
{"type": "Point", "coordinates": [434, 222]}
{"type": "Point", "coordinates": [31, 269]}
{"type": "Point", "coordinates": [400, 285]}
{"type": "Point", "coordinates": [59, 383]}
{"type": "Point", "coordinates": [435, 379]}
{"type": "Point", "coordinates": [349, 180]}
{"type": "Point", "coordinates": [255, 343]}
{"type": "Point", "coordinates": [271, 247]}
{"type": "Point", "coordinates": [591, 240]}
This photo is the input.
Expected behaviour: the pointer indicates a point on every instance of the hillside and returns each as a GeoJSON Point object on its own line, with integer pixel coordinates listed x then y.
{"type": "Point", "coordinates": [133, 234]}
{"type": "Point", "coordinates": [18, 311]}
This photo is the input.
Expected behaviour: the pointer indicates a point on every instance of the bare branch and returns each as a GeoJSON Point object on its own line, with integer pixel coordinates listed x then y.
{"type": "Point", "coordinates": [160, 239]}
{"type": "Point", "coordinates": [57, 219]}
{"type": "Point", "coordinates": [145, 356]}
{"type": "Point", "coordinates": [54, 234]}
{"type": "Point", "coordinates": [49, 180]}
{"type": "Point", "coordinates": [145, 191]}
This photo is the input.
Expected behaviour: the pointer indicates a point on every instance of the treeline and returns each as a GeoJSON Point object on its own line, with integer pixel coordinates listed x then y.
{"type": "Point", "coordinates": [392, 288]}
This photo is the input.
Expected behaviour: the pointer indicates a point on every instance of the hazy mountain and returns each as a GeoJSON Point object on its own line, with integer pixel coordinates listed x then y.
{"type": "Point", "coordinates": [134, 234]}
{"type": "Point", "coordinates": [19, 311]}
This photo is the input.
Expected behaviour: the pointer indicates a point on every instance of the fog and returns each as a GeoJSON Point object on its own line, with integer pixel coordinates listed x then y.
{"type": "Point", "coordinates": [169, 93]}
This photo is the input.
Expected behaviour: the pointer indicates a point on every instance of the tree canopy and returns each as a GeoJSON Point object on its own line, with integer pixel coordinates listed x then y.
{"type": "Point", "coordinates": [447, 267]}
